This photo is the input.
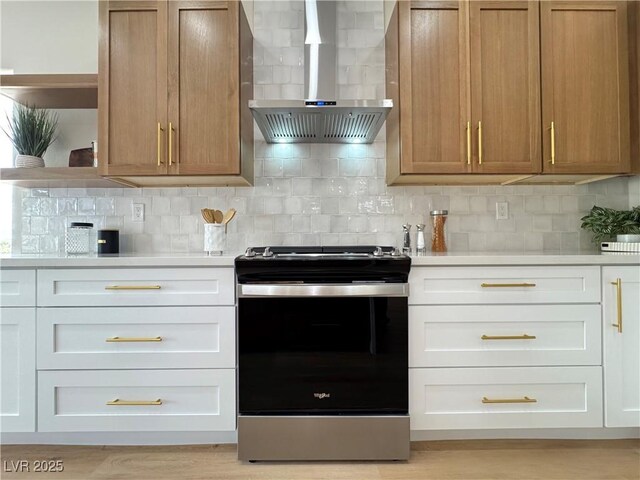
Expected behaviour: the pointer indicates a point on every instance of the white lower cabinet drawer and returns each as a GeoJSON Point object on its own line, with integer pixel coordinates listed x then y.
{"type": "Point", "coordinates": [136, 400]}
{"type": "Point", "coordinates": [504, 335]}
{"type": "Point", "coordinates": [504, 285]}
{"type": "Point", "coordinates": [136, 337]}
{"type": "Point", "coordinates": [114, 287]}
{"type": "Point", "coordinates": [487, 398]}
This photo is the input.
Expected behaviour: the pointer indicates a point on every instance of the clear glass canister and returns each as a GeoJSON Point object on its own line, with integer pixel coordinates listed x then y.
{"type": "Point", "coordinates": [438, 236]}
{"type": "Point", "coordinates": [77, 239]}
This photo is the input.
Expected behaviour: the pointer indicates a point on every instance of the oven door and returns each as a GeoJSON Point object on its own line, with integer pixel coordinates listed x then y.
{"type": "Point", "coordinates": [322, 354]}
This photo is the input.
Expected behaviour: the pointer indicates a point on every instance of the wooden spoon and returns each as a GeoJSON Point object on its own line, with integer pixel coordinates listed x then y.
{"type": "Point", "coordinates": [207, 214]}
{"type": "Point", "coordinates": [217, 216]}
{"type": "Point", "coordinates": [228, 216]}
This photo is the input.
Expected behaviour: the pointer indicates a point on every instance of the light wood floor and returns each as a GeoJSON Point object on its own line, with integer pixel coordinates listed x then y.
{"type": "Point", "coordinates": [489, 459]}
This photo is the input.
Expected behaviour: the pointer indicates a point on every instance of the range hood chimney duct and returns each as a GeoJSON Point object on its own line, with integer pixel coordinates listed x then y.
{"type": "Point", "coordinates": [320, 117]}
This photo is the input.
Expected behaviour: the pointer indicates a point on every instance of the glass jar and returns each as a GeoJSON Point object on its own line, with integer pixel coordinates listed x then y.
{"type": "Point", "coordinates": [77, 239]}
{"type": "Point", "coordinates": [438, 236]}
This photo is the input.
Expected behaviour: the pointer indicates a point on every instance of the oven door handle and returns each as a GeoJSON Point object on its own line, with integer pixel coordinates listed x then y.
{"type": "Point", "coordinates": [324, 290]}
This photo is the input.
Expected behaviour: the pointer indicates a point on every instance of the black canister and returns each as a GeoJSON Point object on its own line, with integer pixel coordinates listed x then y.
{"type": "Point", "coordinates": [108, 242]}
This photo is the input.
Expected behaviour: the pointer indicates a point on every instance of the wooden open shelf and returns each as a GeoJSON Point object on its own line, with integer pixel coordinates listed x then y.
{"type": "Point", "coordinates": [52, 91]}
{"type": "Point", "coordinates": [57, 177]}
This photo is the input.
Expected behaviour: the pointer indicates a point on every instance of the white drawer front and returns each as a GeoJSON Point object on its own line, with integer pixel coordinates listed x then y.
{"type": "Point", "coordinates": [452, 398]}
{"type": "Point", "coordinates": [473, 285]}
{"type": "Point", "coordinates": [186, 400]}
{"type": "Point", "coordinates": [17, 369]}
{"type": "Point", "coordinates": [136, 337]}
{"type": "Point", "coordinates": [504, 335]}
{"type": "Point", "coordinates": [136, 286]}
{"type": "Point", "coordinates": [17, 288]}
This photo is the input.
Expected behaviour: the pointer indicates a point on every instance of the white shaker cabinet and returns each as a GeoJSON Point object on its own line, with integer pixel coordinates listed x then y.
{"type": "Point", "coordinates": [17, 351]}
{"type": "Point", "coordinates": [621, 339]}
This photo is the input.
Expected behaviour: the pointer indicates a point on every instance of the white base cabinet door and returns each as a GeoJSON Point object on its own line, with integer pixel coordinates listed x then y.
{"type": "Point", "coordinates": [18, 369]}
{"type": "Point", "coordinates": [621, 334]}
{"type": "Point", "coordinates": [136, 400]}
{"type": "Point", "coordinates": [487, 398]}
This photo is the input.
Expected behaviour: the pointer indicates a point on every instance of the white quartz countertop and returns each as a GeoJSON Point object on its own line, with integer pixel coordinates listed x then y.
{"type": "Point", "coordinates": [201, 260]}
{"type": "Point", "coordinates": [123, 260]}
{"type": "Point", "coordinates": [529, 258]}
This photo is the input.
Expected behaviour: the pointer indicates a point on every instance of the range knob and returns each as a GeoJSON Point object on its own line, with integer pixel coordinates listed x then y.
{"type": "Point", "coordinates": [267, 253]}
{"type": "Point", "coordinates": [249, 253]}
{"type": "Point", "coordinates": [378, 252]}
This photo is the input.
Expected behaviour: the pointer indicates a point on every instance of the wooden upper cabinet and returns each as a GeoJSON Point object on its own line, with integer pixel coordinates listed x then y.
{"type": "Point", "coordinates": [469, 87]}
{"type": "Point", "coordinates": [433, 86]}
{"type": "Point", "coordinates": [585, 87]}
{"type": "Point", "coordinates": [174, 84]}
{"type": "Point", "coordinates": [132, 86]}
{"type": "Point", "coordinates": [505, 86]}
{"type": "Point", "coordinates": [203, 87]}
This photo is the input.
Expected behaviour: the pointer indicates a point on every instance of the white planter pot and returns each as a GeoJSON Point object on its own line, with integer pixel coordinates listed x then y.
{"type": "Point", "coordinates": [628, 238]}
{"type": "Point", "coordinates": [28, 161]}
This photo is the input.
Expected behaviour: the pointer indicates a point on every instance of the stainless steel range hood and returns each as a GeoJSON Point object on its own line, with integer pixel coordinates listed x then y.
{"type": "Point", "coordinates": [320, 118]}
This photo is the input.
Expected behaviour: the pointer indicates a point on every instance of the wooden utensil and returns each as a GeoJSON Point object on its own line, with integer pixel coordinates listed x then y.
{"type": "Point", "coordinates": [217, 216]}
{"type": "Point", "coordinates": [228, 216]}
{"type": "Point", "coordinates": [207, 214]}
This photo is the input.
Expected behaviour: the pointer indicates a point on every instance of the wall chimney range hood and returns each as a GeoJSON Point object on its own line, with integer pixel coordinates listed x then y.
{"type": "Point", "coordinates": [320, 118]}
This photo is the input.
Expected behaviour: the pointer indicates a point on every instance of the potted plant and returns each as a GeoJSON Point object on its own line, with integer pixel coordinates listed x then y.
{"type": "Point", "coordinates": [607, 223]}
{"type": "Point", "coordinates": [31, 130]}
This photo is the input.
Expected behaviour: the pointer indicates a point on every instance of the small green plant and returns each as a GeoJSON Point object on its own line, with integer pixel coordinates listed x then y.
{"type": "Point", "coordinates": [606, 223]}
{"type": "Point", "coordinates": [31, 130]}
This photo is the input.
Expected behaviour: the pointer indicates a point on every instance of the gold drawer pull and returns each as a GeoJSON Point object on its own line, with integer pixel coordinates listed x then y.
{"type": "Point", "coordinates": [553, 143]}
{"type": "Point", "coordinates": [468, 143]}
{"type": "Point", "coordinates": [618, 285]}
{"type": "Point", "coordinates": [136, 403]}
{"type": "Point", "coordinates": [133, 287]}
{"type": "Point", "coordinates": [507, 285]}
{"type": "Point", "coordinates": [133, 339]}
{"type": "Point", "coordinates": [509, 400]}
{"type": "Point", "coordinates": [508, 337]}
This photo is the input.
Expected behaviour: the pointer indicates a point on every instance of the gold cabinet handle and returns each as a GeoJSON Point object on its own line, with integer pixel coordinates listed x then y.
{"type": "Point", "coordinates": [468, 143]}
{"type": "Point", "coordinates": [170, 143]}
{"type": "Point", "coordinates": [553, 143]}
{"type": "Point", "coordinates": [507, 285]}
{"type": "Point", "coordinates": [133, 339]}
{"type": "Point", "coordinates": [509, 400]}
{"type": "Point", "coordinates": [618, 285]}
{"type": "Point", "coordinates": [133, 287]}
{"type": "Point", "coordinates": [508, 337]}
{"type": "Point", "coordinates": [479, 143]}
{"type": "Point", "coordinates": [137, 403]}
{"type": "Point", "coordinates": [160, 130]}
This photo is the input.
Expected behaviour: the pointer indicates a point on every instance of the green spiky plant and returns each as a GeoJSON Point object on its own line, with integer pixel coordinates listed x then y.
{"type": "Point", "coordinates": [31, 130]}
{"type": "Point", "coordinates": [606, 223]}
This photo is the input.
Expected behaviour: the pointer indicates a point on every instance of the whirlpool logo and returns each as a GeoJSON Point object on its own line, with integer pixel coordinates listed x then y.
{"type": "Point", "coordinates": [321, 395]}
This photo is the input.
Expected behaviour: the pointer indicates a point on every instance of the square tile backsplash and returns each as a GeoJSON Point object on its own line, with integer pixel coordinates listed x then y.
{"type": "Point", "coordinates": [319, 194]}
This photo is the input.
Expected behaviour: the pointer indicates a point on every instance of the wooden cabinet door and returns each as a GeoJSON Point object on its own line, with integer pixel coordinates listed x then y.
{"type": "Point", "coordinates": [132, 100]}
{"type": "Point", "coordinates": [585, 86]}
{"type": "Point", "coordinates": [621, 303]}
{"type": "Point", "coordinates": [204, 87]}
{"type": "Point", "coordinates": [505, 86]}
{"type": "Point", "coordinates": [433, 86]}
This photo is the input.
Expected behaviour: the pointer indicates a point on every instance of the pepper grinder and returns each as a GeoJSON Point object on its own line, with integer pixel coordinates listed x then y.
{"type": "Point", "coordinates": [420, 245]}
{"type": "Point", "coordinates": [406, 241]}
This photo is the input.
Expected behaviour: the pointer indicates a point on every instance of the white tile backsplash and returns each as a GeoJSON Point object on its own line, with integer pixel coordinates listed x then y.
{"type": "Point", "coordinates": [321, 193]}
